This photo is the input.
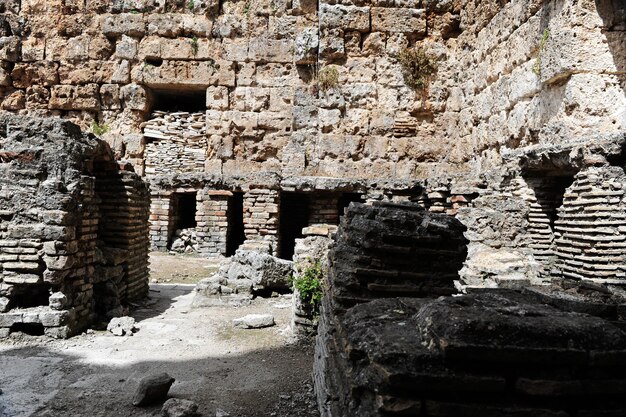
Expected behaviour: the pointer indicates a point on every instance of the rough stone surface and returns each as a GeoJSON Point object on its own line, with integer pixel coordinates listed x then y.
{"type": "Point", "coordinates": [254, 321]}
{"type": "Point", "coordinates": [122, 326]}
{"type": "Point", "coordinates": [152, 389]}
{"type": "Point", "coordinates": [412, 355]}
{"type": "Point", "coordinates": [73, 228]}
{"type": "Point", "coordinates": [176, 407]}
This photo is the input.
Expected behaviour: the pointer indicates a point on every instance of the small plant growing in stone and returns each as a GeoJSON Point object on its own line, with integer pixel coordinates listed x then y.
{"type": "Point", "coordinates": [194, 45]}
{"type": "Point", "coordinates": [191, 5]}
{"type": "Point", "coordinates": [542, 44]}
{"type": "Point", "coordinates": [418, 67]}
{"type": "Point", "coordinates": [99, 129]}
{"type": "Point", "coordinates": [327, 78]}
{"type": "Point", "coordinates": [309, 285]}
{"type": "Point", "coordinates": [246, 8]}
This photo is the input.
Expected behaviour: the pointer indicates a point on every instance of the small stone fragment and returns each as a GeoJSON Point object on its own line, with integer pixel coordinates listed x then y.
{"type": "Point", "coordinates": [152, 389]}
{"type": "Point", "coordinates": [121, 326]}
{"type": "Point", "coordinates": [176, 407]}
{"type": "Point", "coordinates": [254, 321]}
{"type": "Point", "coordinates": [221, 413]}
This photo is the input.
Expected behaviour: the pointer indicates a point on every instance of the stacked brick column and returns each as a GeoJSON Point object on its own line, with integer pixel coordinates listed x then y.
{"type": "Point", "coordinates": [260, 216]}
{"type": "Point", "coordinates": [591, 227]}
{"type": "Point", "coordinates": [160, 213]}
{"type": "Point", "coordinates": [212, 221]}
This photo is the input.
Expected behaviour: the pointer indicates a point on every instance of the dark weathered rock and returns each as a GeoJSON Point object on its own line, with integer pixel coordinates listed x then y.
{"type": "Point", "coordinates": [395, 250]}
{"type": "Point", "coordinates": [152, 389]}
{"type": "Point", "coordinates": [501, 352]}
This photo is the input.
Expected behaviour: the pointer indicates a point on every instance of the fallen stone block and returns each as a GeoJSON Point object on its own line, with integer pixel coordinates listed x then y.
{"type": "Point", "coordinates": [254, 321]}
{"type": "Point", "coordinates": [121, 326]}
{"type": "Point", "coordinates": [152, 389]}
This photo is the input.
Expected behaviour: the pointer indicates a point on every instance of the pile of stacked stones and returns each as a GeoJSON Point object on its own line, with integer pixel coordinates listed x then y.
{"type": "Point", "coordinates": [185, 241]}
{"type": "Point", "coordinates": [176, 142]}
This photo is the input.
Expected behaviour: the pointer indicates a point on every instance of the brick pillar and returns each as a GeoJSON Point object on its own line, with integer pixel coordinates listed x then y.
{"type": "Point", "coordinates": [261, 216]}
{"type": "Point", "coordinates": [160, 213]}
{"type": "Point", "coordinates": [212, 221]}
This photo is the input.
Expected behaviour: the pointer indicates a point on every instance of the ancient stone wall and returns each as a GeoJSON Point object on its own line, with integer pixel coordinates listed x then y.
{"type": "Point", "coordinates": [74, 231]}
{"type": "Point", "coordinates": [511, 75]}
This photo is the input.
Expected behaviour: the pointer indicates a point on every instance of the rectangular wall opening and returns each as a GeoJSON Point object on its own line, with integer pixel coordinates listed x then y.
{"type": "Point", "coordinates": [235, 235]}
{"type": "Point", "coordinates": [30, 295]}
{"type": "Point", "coordinates": [186, 211]}
{"type": "Point", "coordinates": [294, 216]}
{"type": "Point", "coordinates": [183, 235]}
{"type": "Point", "coordinates": [179, 101]}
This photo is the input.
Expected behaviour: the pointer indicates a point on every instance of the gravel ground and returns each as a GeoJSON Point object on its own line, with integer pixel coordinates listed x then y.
{"type": "Point", "coordinates": [241, 372]}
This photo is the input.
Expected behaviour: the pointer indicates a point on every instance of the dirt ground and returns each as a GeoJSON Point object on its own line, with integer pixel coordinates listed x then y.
{"type": "Point", "coordinates": [180, 268]}
{"type": "Point", "coordinates": [245, 373]}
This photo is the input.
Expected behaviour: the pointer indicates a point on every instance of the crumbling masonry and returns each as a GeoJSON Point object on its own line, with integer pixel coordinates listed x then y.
{"type": "Point", "coordinates": [73, 229]}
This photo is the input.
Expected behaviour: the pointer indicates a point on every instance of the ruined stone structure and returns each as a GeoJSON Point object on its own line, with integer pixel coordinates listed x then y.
{"type": "Point", "coordinates": [73, 229]}
{"type": "Point", "coordinates": [537, 352]}
{"type": "Point", "coordinates": [249, 106]}
{"type": "Point", "coordinates": [252, 120]}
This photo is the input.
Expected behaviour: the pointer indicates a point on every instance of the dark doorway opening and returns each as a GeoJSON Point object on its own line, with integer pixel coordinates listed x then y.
{"type": "Point", "coordinates": [294, 216]}
{"type": "Point", "coordinates": [346, 199]}
{"type": "Point", "coordinates": [235, 235]}
{"type": "Point", "coordinates": [179, 101]}
{"type": "Point", "coordinates": [31, 295]}
{"type": "Point", "coordinates": [185, 210]}
{"type": "Point", "coordinates": [31, 329]}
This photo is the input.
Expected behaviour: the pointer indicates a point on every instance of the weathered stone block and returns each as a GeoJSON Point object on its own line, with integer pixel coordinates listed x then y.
{"type": "Point", "coordinates": [124, 24]}
{"type": "Point", "coordinates": [135, 97]}
{"type": "Point", "coordinates": [385, 19]}
{"type": "Point", "coordinates": [10, 48]}
{"type": "Point", "coordinates": [271, 50]}
{"type": "Point", "coordinates": [217, 98]}
{"type": "Point", "coordinates": [70, 97]}
{"type": "Point", "coordinates": [344, 17]}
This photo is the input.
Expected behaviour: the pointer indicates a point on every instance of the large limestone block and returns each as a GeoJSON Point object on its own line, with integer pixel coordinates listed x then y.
{"type": "Point", "coordinates": [271, 50]}
{"type": "Point", "coordinates": [250, 98]}
{"type": "Point", "coordinates": [87, 72]}
{"type": "Point", "coordinates": [307, 43]}
{"type": "Point", "coordinates": [265, 271]}
{"type": "Point", "coordinates": [344, 17]}
{"type": "Point", "coordinates": [389, 19]}
{"type": "Point", "coordinates": [165, 24]}
{"type": "Point", "coordinates": [41, 73]}
{"type": "Point", "coordinates": [217, 98]}
{"type": "Point", "coordinates": [124, 24]}
{"type": "Point", "coordinates": [10, 48]}
{"type": "Point", "coordinates": [71, 97]}
{"type": "Point", "coordinates": [201, 74]}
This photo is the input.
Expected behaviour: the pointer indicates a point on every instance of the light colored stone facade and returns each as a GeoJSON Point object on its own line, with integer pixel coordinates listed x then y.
{"type": "Point", "coordinates": [498, 88]}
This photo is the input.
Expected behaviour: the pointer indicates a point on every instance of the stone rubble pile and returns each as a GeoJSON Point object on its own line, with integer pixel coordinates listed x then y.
{"type": "Point", "coordinates": [185, 241]}
{"type": "Point", "coordinates": [244, 275]}
{"type": "Point", "coordinates": [176, 142]}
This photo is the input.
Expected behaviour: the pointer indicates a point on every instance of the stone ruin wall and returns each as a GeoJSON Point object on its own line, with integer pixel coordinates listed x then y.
{"type": "Point", "coordinates": [499, 88]}
{"type": "Point", "coordinates": [73, 229]}
{"type": "Point", "coordinates": [502, 97]}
